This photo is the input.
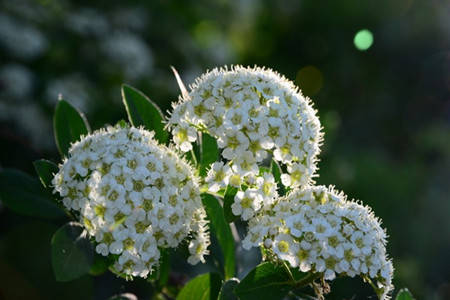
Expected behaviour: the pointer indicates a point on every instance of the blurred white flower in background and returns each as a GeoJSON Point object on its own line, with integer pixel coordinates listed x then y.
{"type": "Point", "coordinates": [20, 39]}
{"type": "Point", "coordinates": [87, 21]}
{"type": "Point", "coordinates": [19, 108]}
{"type": "Point", "coordinates": [74, 88]}
{"type": "Point", "coordinates": [132, 18]}
{"type": "Point", "coordinates": [16, 83]}
{"type": "Point", "coordinates": [31, 121]}
{"type": "Point", "coordinates": [130, 53]}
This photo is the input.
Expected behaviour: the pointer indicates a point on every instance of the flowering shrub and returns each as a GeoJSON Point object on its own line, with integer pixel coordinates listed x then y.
{"type": "Point", "coordinates": [244, 144]}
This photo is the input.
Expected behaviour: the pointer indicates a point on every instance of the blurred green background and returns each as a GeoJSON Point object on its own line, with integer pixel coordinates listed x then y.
{"type": "Point", "coordinates": [384, 105]}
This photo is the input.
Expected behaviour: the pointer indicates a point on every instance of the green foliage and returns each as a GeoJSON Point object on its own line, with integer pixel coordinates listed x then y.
{"type": "Point", "coordinates": [404, 294]}
{"type": "Point", "coordinates": [276, 172]}
{"type": "Point", "coordinates": [209, 152]}
{"type": "Point", "coordinates": [69, 124]}
{"type": "Point", "coordinates": [45, 170]}
{"type": "Point", "coordinates": [227, 290]}
{"type": "Point", "coordinates": [144, 112]}
{"type": "Point", "coordinates": [227, 202]}
{"type": "Point", "coordinates": [99, 265]}
{"type": "Point", "coordinates": [203, 287]}
{"type": "Point", "coordinates": [163, 269]}
{"type": "Point", "coordinates": [161, 273]}
{"type": "Point", "coordinates": [72, 252]}
{"type": "Point", "coordinates": [266, 281]}
{"type": "Point", "coordinates": [222, 231]}
{"type": "Point", "coordinates": [25, 195]}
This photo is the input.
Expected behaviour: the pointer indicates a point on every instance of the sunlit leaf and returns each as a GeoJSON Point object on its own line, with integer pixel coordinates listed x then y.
{"type": "Point", "coordinates": [228, 200]}
{"type": "Point", "coordinates": [45, 170]}
{"type": "Point", "coordinates": [266, 281]}
{"type": "Point", "coordinates": [263, 170]}
{"type": "Point", "coordinates": [404, 294]}
{"type": "Point", "coordinates": [226, 293]}
{"type": "Point", "coordinates": [204, 287]}
{"type": "Point", "coordinates": [276, 172]}
{"type": "Point", "coordinates": [122, 123]}
{"type": "Point", "coordinates": [72, 252]}
{"type": "Point", "coordinates": [144, 112]}
{"type": "Point", "coordinates": [26, 195]}
{"type": "Point", "coordinates": [222, 231]}
{"type": "Point", "coordinates": [209, 153]}
{"type": "Point", "coordinates": [69, 125]}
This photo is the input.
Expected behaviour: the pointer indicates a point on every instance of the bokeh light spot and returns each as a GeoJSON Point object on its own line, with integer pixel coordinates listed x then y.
{"type": "Point", "coordinates": [363, 39]}
{"type": "Point", "coordinates": [310, 80]}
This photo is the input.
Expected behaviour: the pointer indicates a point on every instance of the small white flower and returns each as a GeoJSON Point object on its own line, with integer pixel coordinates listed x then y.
{"type": "Point", "coordinates": [218, 176]}
{"type": "Point", "coordinates": [184, 136]}
{"type": "Point", "coordinates": [286, 248]}
{"type": "Point", "coordinates": [235, 143]}
{"type": "Point", "coordinates": [246, 204]}
{"type": "Point", "coordinates": [267, 187]}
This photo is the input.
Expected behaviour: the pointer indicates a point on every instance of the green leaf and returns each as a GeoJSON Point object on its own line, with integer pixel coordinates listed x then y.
{"type": "Point", "coordinates": [266, 281]}
{"type": "Point", "coordinates": [276, 172]}
{"type": "Point", "coordinates": [209, 152]}
{"type": "Point", "coordinates": [99, 265]}
{"type": "Point", "coordinates": [122, 123]}
{"type": "Point", "coordinates": [263, 170]}
{"type": "Point", "coordinates": [162, 271]}
{"type": "Point", "coordinates": [72, 252]}
{"type": "Point", "coordinates": [69, 124]}
{"type": "Point", "coordinates": [203, 287]}
{"type": "Point", "coordinates": [164, 268]}
{"type": "Point", "coordinates": [183, 249]}
{"type": "Point", "coordinates": [45, 170]}
{"type": "Point", "coordinates": [222, 231]}
{"type": "Point", "coordinates": [144, 112]}
{"type": "Point", "coordinates": [228, 200]}
{"type": "Point", "coordinates": [26, 195]}
{"type": "Point", "coordinates": [226, 293]}
{"type": "Point", "coordinates": [404, 294]}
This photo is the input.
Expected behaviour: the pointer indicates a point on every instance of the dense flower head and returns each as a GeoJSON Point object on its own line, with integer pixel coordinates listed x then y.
{"type": "Point", "coordinates": [134, 197]}
{"type": "Point", "coordinates": [317, 229]}
{"type": "Point", "coordinates": [254, 114]}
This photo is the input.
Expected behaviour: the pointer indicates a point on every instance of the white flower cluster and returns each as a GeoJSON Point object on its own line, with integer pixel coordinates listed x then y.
{"type": "Point", "coordinates": [253, 113]}
{"type": "Point", "coordinates": [317, 229]}
{"type": "Point", "coordinates": [134, 196]}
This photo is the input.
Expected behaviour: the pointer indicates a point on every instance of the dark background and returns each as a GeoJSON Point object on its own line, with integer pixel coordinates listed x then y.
{"type": "Point", "coordinates": [385, 111]}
